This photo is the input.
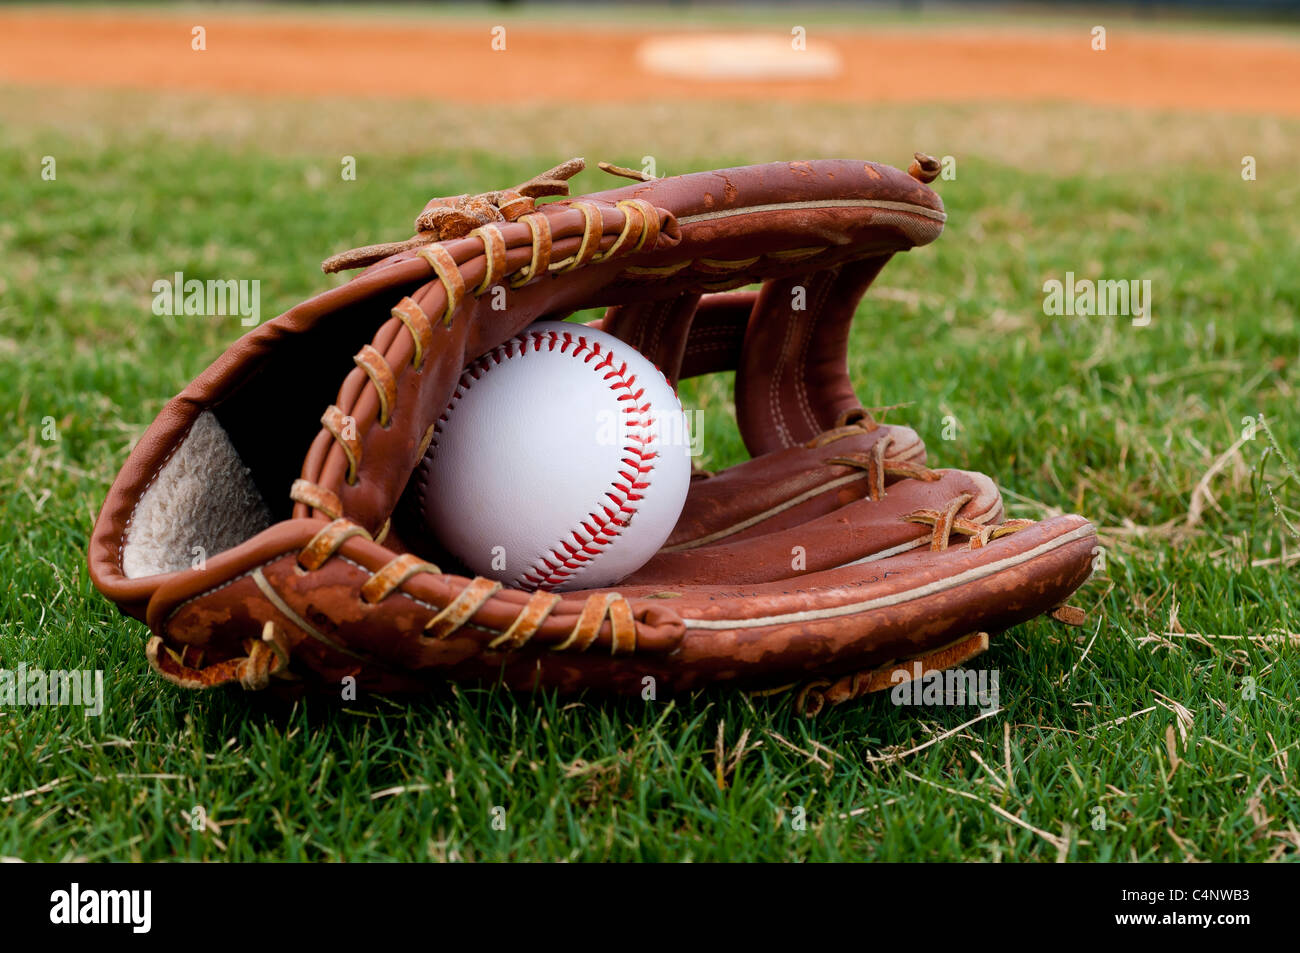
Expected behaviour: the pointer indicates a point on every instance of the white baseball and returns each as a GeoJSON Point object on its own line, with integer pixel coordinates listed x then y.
{"type": "Point", "coordinates": [561, 462]}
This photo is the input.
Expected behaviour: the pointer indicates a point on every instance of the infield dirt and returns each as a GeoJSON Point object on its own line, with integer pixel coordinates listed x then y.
{"type": "Point", "coordinates": [277, 54]}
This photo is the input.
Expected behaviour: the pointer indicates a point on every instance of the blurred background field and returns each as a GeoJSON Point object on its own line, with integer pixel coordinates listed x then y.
{"type": "Point", "coordinates": [1148, 713]}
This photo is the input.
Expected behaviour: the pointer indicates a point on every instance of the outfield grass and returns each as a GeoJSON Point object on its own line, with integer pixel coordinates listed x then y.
{"type": "Point", "coordinates": [1082, 414]}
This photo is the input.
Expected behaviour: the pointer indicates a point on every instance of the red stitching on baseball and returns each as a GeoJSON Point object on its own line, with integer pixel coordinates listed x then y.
{"type": "Point", "coordinates": [600, 528]}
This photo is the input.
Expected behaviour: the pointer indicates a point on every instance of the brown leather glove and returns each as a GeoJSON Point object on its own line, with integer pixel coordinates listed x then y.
{"type": "Point", "coordinates": [256, 526]}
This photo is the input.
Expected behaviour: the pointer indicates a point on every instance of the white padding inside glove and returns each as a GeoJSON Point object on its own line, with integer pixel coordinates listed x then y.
{"type": "Point", "coordinates": [201, 503]}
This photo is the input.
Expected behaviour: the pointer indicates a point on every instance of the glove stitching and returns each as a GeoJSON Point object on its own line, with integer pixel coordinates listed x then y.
{"type": "Point", "coordinates": [808, 329]}
{"type": "Point", "coordinates": [774, 389]}
{"type": "Point", "coordinates": [448, 273]}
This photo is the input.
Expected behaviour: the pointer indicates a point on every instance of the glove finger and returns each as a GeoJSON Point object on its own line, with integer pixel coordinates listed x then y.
{"type": "Point", "coordinates": [861, 531]}
{"type": "Point", "coordinates": [659, 329]}
{"type": "Point", "coordinates": [793, 380]}
{"type": "Point", "coordinates": [354, 610]}
{"type": "Point", "coordinates": [688, 336]}
{"type": "Point", "coordinates": [844, 621]}
{"type": "Point", "coordinates": [789, 487]}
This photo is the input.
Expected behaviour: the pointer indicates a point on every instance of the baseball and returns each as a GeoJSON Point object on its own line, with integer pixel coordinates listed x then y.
{"type": "Point", "coordinates": [561, 462]}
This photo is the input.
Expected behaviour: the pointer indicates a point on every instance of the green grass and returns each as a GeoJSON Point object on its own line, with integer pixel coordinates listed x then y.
{"type": "Point", "coordinates": [1079, 414]}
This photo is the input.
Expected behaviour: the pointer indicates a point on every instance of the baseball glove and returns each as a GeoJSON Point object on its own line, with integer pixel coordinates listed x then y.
{"type": "Point", "coordinates": [259, 526]}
